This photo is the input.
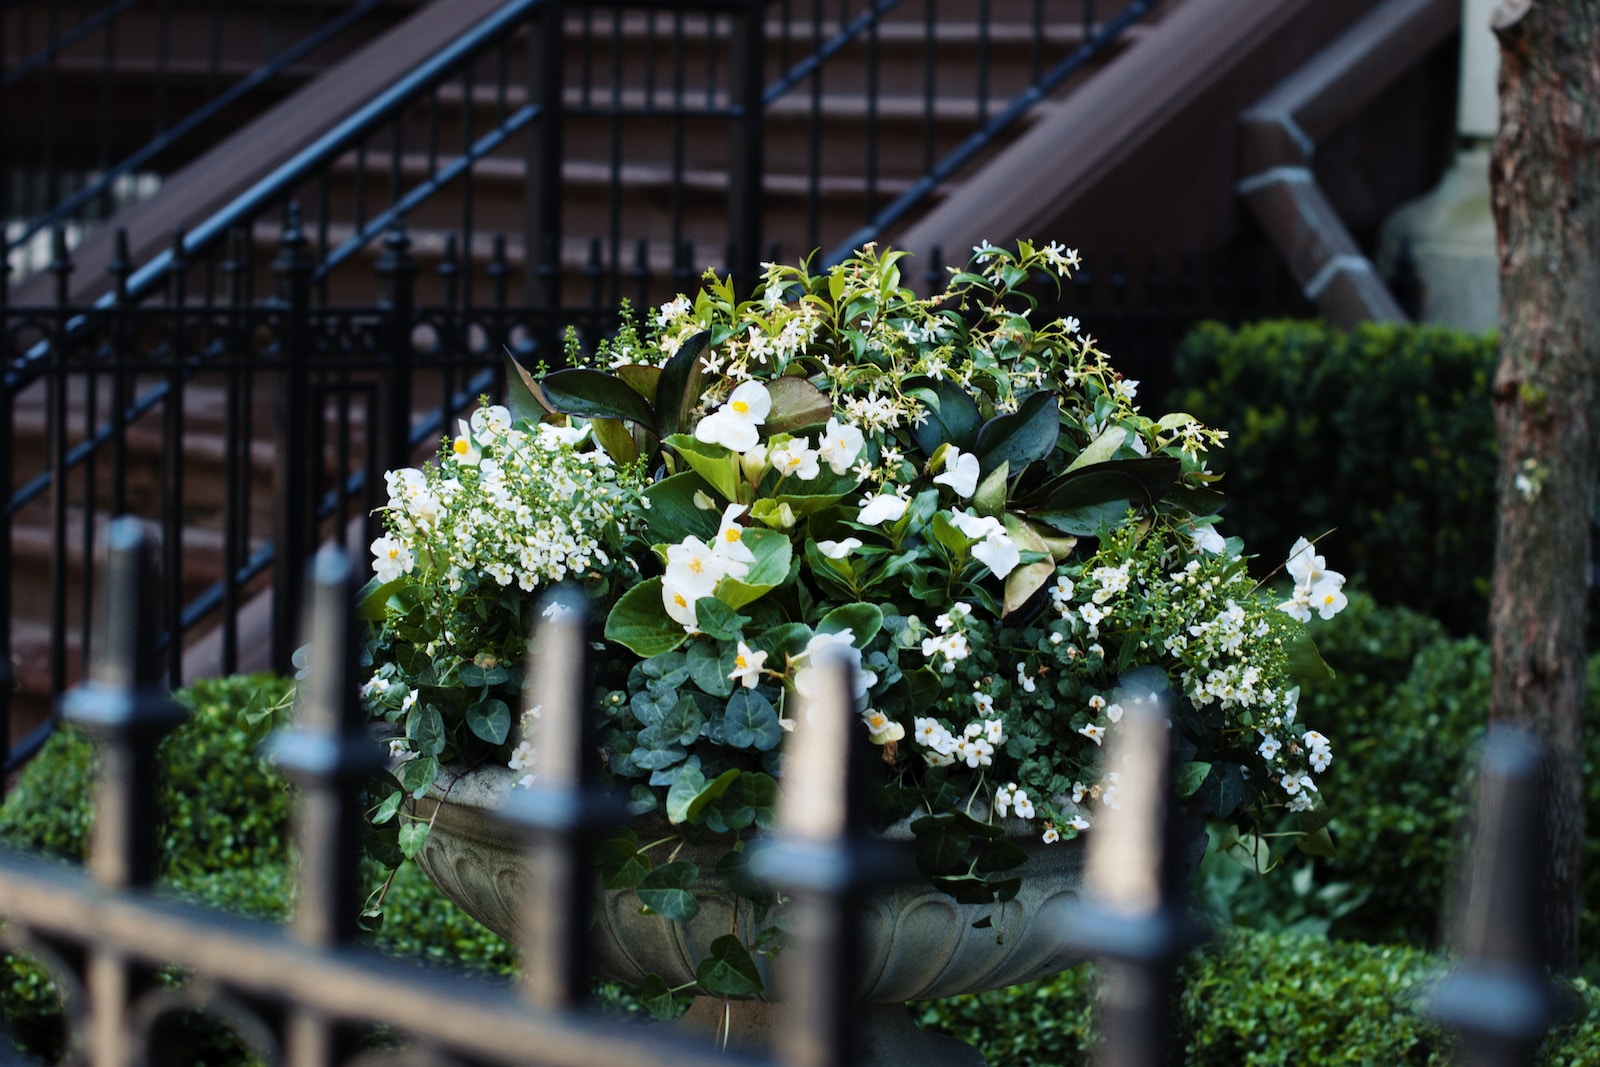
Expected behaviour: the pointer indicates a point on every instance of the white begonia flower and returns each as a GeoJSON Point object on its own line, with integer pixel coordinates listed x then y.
{"type": "Point", "coordinates": [880, 728]}
{"type": "Point", "coordinates": [464, 449]}
{"type": "Point", "coordinates": [399, 752]}
{"type": "Point", "coordinates": [753, 463]}
{"type": "Point", "coordinates": [999, 553]}
{"type": "Point", "coordinates": [1079, 823]}
{"type": "Point", "coordinates": [393, 559]}
{"type": "Point", "coordinates": [693, 564]}
{"type": "Point", "coordinates": [1051, 835]}
{"type": "Point", "coordinates": [729, 545]}
{"type": "Point", "coordinates": [679, 600]}
{"type": "Point", "coordinates": [747, 664]}
{"type": "Point", "coordinates": [495, 421]}
{"type": "Point", "coordinates": [1206, 539]}
{"type": "Point", "coordinates": [838, 549]}
{"type": "Point", "coordinates": [733, 425]}
{"type": "Point", "coordinates": [1269, 748]}
{"type": "Point", "coordinates": [960, 472]}
{"type": "Point", "coordinates": [1092, 732]}
{"type": "Point", "coordinates": [885, 507]}
{"type": "Point", "coordinates": [839, 446]}
{"type": "Point", "coordinates": [1328, 598]}
{"type": "Point", "coordinates": [795, 457]}
{"type": "Point", "coordinates": [1114, 712]}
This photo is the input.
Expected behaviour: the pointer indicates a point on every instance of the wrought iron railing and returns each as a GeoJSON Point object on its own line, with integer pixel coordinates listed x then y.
{"type": "Point", "coordinates": [301, 991]}
{"type": "Point", "coordinates": [68, 162]}
{"type": "Point", "coordinates": [530, 175]}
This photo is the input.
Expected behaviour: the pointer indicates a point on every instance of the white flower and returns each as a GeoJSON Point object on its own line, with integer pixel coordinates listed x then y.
{"type": "Point", "coordinates": [733, 425]}
{"type": "Point", "coordinates": [1114, 712]}
{"type": "Point", "coordinates": [881, 728]}
{"type": "Point", "coordinates": [864, 679]}
{"type": "Point", "coordinates": [885, 507]}
{"type": "Point", "coordinates": [1320, 758]}
{"type": "Point", "coordinates": [995, 731]}
{"type": "Point", "coordinates": [1079, 823]}
{"type": "Point", "coordinates": [1023, 680]}
{"type": "Point", "coordinates": [398, 750]}
{"type": "Point", "coordinates": [729, 546]}
{"type": "Point", "coordinates": [1092, 732]}
{"type": "Point", "coordinates": [464, 449]}
{"type": "Point", "coordinates": [985, 703]}
{"type": "Point", "coordinates": [839, 446]}
{"type": "Point", "coordinates": [838, 549]}
{"type": "Point", "coordinates": [1079, 791]}
{"type": "Point", "coordinates": [960, 472]}
{"type": "Point", "coordinates": [1022, 805]}
{"type": "Point", "coordinates": [747, 664]}
{"type": "Point", "coordinates": [795, 457]}
{"type": "Point", "coordinates": [1002, 798]}
{"type": "Point", "coordinates": [977, 752]}
{"type": "Point", "coordinates": [694, 565]}
{"type": "Point", "coordinates": [1051, 835]}
{"type": "Point", "coordinates": [554, 436]}
{"type": "Point", "coordinates": [1061, 592]}
{"type": "Point", "coordinates": [679, 600]}
{"type": "Point", "coordinates": [1269, 748]}
{"type": "Point", "coordinates": [1206, 539]}
{"type": "Point", "coordinates": [999, 553]}
{"type": "Point", "coordinates": [410, 701]}
{"type": "Point", "coordinates": [393, 559]}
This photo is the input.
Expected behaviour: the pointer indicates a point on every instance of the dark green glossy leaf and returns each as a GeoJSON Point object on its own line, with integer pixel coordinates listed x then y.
{"type": "Point", "coordinates": [941, 845]}
{"type": "Point", "coordinates": [417, 775]}
{"type": "Point", "coordinates": [751, 722]}
{"type": "Point", "coordinates": [1190, 776]}
{"type": "Point", "coordinates": [523, 397]}
{"type": "Point", "coordinates": [425, 729]}
{"type": "Point", "coordinates": [412, 836]}
{"type": "Point", "coordinates": [673, 513]}
{"type": "Point", "coordinates": [668, 890]}
{"type": "Point", "coordinates": [734, 870]}
{"type": "Point", "coordinates": [660, 1001]}
{"type": "Point", "coordinates": [593, 394]}
{"type": "Point", "coordinates": [752, 799]}
{"type": "Point", "coordinates": [489, 720]}
{"type": "Point", "coordinates": [622, 865]}
{"type": "Point", "coordinates": [1021, 437]}
{"type": "Point", "coordinates": [681, 383]}
{"type": "Point", "coordinates": [729, 971]}
{"type": "Point", "coordinates": [953, 418]}
{"type": "Point", "coordinates": [717, 620]}
{"type": "Point", "coordinates": [640, 623]}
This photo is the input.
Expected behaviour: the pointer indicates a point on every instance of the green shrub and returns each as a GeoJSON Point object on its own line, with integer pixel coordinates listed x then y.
{"type": "Point", "coordinates": [1252, 999]}
{"type": "Point", "coordinates": [1385, 433]}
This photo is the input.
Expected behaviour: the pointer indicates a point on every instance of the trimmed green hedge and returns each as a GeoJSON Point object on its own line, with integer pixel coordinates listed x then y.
{"type": "Point", "coordinates": [1253, 1000]}
{"type": "Point", "coordinates": [1385, 432]}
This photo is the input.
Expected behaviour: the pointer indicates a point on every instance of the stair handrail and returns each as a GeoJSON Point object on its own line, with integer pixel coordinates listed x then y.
{"type": "Point", "coordinates": [165, 138]}
{"type": "Point", "coordinates": [980, 139]}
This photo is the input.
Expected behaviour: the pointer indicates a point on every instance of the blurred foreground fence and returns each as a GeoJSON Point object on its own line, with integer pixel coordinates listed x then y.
{"type": "Point", "coordinates": [299, 995]}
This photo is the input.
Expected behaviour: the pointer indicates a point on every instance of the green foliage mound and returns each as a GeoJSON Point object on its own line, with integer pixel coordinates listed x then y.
{"type": "Point", "coordinates": [1253, 999]}
{"type": "Point", "coordinates": [1385, 432]}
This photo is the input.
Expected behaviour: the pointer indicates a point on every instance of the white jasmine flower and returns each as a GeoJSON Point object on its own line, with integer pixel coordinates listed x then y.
{"type": "Point", "coordinates": [960, 472]}
{"type": "Point", "coordinates": [838, 549]}
{"type": "Point", "coordinates": [885, 507]}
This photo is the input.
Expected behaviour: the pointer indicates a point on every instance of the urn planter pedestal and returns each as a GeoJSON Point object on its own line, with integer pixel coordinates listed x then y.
{"type": "Point", "coordinates": [919, 943]}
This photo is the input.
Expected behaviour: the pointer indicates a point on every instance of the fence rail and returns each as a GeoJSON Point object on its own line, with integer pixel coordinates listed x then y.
{"type": "Point", "coordinates": [299, 991]}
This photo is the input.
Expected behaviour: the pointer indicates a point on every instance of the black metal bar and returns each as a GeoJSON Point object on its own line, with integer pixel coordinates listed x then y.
{"type": "Point", "coordinates": [64, 41]}
{"type": "Point", "coordinates": [293, 476]}
{"type": "Point", "coordinates": [542, 230]}
{"type": "Point", "coordinates": [56, 432]}
{"type": "Point", "coordinates": [1499, 997]}
{"type": "Point", "coordinates": [746, 145]}
{"type": "Point", "coordinates": [397, 271]}
{"type": "Point", "coordinates": [172, 504]}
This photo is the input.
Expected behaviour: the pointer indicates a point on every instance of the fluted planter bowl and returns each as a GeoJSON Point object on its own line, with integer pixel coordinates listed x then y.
{"type": "Point", "coordinates": [919, 944]}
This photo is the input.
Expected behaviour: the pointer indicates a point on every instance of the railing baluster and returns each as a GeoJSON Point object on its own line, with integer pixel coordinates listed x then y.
{"type": "Point", "coordinates": [1132, 916]}
{"type": "Point", "coordinates": [1499, 997]}
{"type": "Point", "coordinates": [293, 476]}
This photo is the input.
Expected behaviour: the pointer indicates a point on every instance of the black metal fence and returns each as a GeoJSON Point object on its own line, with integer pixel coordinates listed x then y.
{"type": "Point", "coordinates": [301, 992]}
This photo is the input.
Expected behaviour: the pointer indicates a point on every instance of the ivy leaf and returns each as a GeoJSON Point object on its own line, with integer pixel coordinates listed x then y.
{"type": "Point", "coordinates": [1190, 776]}
{"type": "Point", "coordinates": [752, 799]}
{"type": "Point", "coordinates": [1222, 789]}
{"type": "Point", "coordinates": [660, 1001]}
{"type": "Point", "coordinates": [489, 720]}
{"type": "Point", "coordinates": [729, 971]}
{"type": "Point", "coordinates": [682, 723]}
{"type": "Point", "coordinates": [964, 890]}
{"type": "Point", "coordinates": [417, 775]}
{"type": "Point", "coordinates": [388, 806]}
{"type": "Point", "coordinates": [669, 890]}
{"type": "Point", "coordinates": [941, 845]}
{"type": "Point", "coordinates": [751, 722]}
{"type": "Point", "coordinates": [654, 759]}
{"type": "Point", "coordinates": [734, 870]}
{"type": "Point", "coordinates": [412, 836]}
{"type": "Point", "coordinates": [710, 663]}
{"type": "Point", "coordinates": [425, 729]}
{"type": "Point", "coordinates": [622, 865]}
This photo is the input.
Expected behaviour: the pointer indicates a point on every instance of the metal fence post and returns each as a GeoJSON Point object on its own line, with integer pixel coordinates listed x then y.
{"type": "Point", "coordinates": [541, 227]}
{"type": "Point", "coordinates": [746, 143]}
{"type": "Point", "coordinates": [1499, 997]}
{"type": "Point", "coordinates": [397, 271]}
{"type": "Point", "coordinates": [293, 481]}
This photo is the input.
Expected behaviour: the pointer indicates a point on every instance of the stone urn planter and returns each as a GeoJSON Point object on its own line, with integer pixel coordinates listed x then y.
{"type": "Point", "coordinates": [920, 943]}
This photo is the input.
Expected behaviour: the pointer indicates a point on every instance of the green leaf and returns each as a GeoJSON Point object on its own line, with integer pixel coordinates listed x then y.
{"type": "Point", "coordinates": [1222, 790]}
{"type": "Point", "coordinates": [717, 465]}
{"type": "Point", "coordinates": [425, 729]}
{"type": "Point", "coordinates": [489, 720]}
{"type": "Point", "coordinates": [523, 397]}
{"type": "Point", "coordinates": [729, 971]}
{"type": "Point", "coordinates": [640, 623]}
{"type": "Point", "coordinates": [953, 418]}
{"type": "Point", "coordinates": [710, 664]}
{"type": "Point", "coordinates": [663, 1004]}
{"type": "Point", "coordinates": [1305, 662]}
{"type": "Point", "coordinates": [372, 600]}
{"type": "Point", "coordinates": [990, 497]}
{"type": "Point", "coordinates": [682, 723]}
{"type": "Point", "coordinates": [412, 836]}
{"type": "Point", "coordinates": [614, 437]}
{"type": "Point", "coordinates": [673, 512]}
{"type": "Point", "coordinates": [622, 865]}
{"type": "Point", "coordinates": [592, 394]}
{"type": "Point", "coordinates": [641, 378]}
{"type": "Point", "coordinates": [680, 385]}
{"type": "Point", "coordinates": [1318, 843]}
{"type": "Point", "coordinates": [941, 844]}
{"type": "Point", "coordinates": [753, 799]}
{"type": "Point", "coordinates": [1190, 776]}
{"type": "Point", "coordinates": [862, 620]}
{"type": "Point", "coordinates": [1024, 436]}
{"type": "Point", "coordinates": [717, 620]}
{"type": "Point", "coordinates": [734, 870]}
{"type": "Point", "coordinates": [690, 793]}
{"type": "Point", "coordinates": [1089, 521]}
{"type": "Point", "coordinates": [388, 807]}
{"type": "Point", "coordinates": [750, 721]}
{"type": "Point", "coordinates": [417, 775]}
{"type": "Point", "coordinates": [1029, 578]}
{"type": "Point", "coordinates": [669, 890]}
{"type": "Point", "coordinates": [772, 553]}
{"type": "Point", "coordinates": [796, 404]}
{"type": "Point", "coordinates": [1101, 449]}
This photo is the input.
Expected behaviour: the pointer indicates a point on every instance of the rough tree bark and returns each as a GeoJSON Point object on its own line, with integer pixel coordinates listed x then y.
{"type": "Point", "coordinates": [1545, 175]}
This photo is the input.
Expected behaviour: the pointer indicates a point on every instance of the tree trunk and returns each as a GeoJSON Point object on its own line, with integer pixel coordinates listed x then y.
{"type": "Point", "coordinates": [1545, 175]}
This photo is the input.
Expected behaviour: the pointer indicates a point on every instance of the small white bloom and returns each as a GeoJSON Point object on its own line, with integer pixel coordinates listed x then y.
{"type": "Point", "coordinates": [839, 446]}
{"type": "Point", "coordinates": [1022, 805]}
{"type": "Point", "coordinates": [795, 457]}
{"type": "Point", "coordinates": [747, 664]}
{"type": "Point", "coordinates": [960, 472]}
{"type": "Point", "coordinates": [838, 549]}
{"type": "Point", "coordinates": [1023, 679]}
{"type": "Point", "coordinates": [885, 507]}
{"type": "Point", "coordinates": [1092, 732]}
{"type": "Point", "coordinates": [1269, 748]}
{"type": "Point", "coordinates": [881, 728]}
{"type": "Point", "coordinates": [733, 425]}
{"type": "Point", "coordinates": [1051, 835]}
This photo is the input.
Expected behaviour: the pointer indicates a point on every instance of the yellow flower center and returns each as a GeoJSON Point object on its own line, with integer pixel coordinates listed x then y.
{"type": "Point", "coordinates": [741, 406]}
{"type": "Point", "coordinates": [733, 535]}
{"type": "Point", "coordinates": [696, 566]}
{"type": "Point", "coordinates": [740, 663]}
{"type": "Point", "coordinates": [677, 598]}
{"type": "Point", "coordinates": [461, 446]}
